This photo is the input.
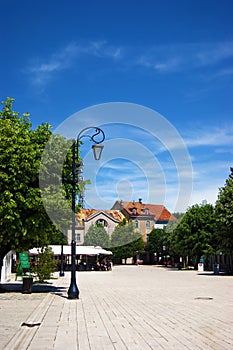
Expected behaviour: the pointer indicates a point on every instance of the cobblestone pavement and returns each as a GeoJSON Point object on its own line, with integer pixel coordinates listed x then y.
{"type": "Point", "coordinates": [131, 307]}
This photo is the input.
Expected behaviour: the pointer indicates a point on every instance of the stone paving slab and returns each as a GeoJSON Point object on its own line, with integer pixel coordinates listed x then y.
{"type": "Point", "coordinates": [131, 307]}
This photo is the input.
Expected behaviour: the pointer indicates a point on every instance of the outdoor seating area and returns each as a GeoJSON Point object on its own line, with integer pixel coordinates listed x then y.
{"type": "Point", "coordinates": [100, 265]}
{"type": "Point", "coordinates": [88, 258]}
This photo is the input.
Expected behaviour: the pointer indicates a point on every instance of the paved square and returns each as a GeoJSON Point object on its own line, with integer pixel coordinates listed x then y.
{"type": "Point", "coordinates": [131, 307]}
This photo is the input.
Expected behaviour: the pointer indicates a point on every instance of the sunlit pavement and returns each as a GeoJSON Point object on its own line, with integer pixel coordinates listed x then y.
{"type": "Point", "coordinates": [131, 307]}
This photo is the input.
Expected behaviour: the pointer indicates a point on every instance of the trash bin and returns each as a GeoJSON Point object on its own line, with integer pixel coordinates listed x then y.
{"type": "Point", "coordinates": [27, 285]}
{"type": "Point", "coordinates": [216, 269]}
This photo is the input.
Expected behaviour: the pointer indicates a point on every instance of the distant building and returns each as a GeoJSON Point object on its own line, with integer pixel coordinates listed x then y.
{"type": "Point", "coordinates": [87, 217]}
{"type": "Point", "coordinates": [144, 216]}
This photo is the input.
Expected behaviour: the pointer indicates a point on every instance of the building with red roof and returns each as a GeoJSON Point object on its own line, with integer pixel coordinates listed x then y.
{"type": "Point", "coordinates": [145, 216]}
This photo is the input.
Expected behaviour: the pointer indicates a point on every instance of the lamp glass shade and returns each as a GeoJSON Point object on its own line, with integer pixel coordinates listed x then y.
{"type": "Point", "coordinates": [97, 151]}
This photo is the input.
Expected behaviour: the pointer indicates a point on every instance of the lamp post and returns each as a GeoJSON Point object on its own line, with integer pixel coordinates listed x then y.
{"type": "Point", "coordinates": [97, 137]}
{"type": "Point", "coordinates": [62, 273]}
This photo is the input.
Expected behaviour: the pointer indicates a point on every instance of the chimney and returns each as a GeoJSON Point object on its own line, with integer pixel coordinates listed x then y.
{"type": "Point", "coordinates": [140, 200]}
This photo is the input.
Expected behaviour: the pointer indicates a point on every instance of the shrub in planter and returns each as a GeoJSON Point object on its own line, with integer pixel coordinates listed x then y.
{"type": "Point", "coordinates": [46, 265]}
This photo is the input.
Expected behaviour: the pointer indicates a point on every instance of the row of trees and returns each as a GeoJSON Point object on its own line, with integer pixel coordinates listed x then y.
{"type": "Point", "coordinates": [203, 230]}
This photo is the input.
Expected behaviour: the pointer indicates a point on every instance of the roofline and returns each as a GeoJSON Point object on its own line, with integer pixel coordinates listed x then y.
{"type": "Point", "coordinates": [100, 212]}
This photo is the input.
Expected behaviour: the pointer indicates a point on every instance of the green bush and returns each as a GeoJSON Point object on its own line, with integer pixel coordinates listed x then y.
{"type": "Point", "coordinates": [45, 265]}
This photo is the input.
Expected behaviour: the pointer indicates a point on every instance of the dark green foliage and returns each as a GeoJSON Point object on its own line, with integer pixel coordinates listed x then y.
{"type": "Point", "coordinates": [97, 236]}
{"type": "Point", "coordinates": [24, 222]}
{"type": "Point", "coordinates": [129, 250]}
{"type": "Point", "coordinates": [123, 234]}
{"type": "Point", "coordinates": [195, 235]}
{"type": "Point", "coordinates": [224, 216]}
{"type": "Point", "coordinates": [125, 242]}
{"type": "Point", "coordinates": [45, 265]}
{"type": "Point", "coordinates": [58, 238]}
{"type": "Point", "coordinates": [156, 241]}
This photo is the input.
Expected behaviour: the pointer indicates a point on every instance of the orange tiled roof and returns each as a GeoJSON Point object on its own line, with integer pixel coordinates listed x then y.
{"type": "Point", "coordinates": [116, 214]}
{"type": "Point", "coordinates": [159, 211]}
{"type": "Point", "coordinates": [85, 213]}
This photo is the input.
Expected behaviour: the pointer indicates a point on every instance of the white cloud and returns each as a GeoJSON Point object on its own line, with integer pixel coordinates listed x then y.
{"type": "Point", "coordinates": [132, 160]}
{"type": "Point", "coordinates": [217, 136]}
{"type": "Point", "coordinates": [183, 57]}
{"type": "Point", "coordinates": [214, 53]}
{"type": "Point", "coordinates": [161, 185]}
{"type": "Point", "coordinates": [43, 69]}
{"type": "Point", "coordinates": [155, 62]}
{"type": "Point", "coordinates": [161, 59]}
{"type": "Point", "coordinates": [49, 67]}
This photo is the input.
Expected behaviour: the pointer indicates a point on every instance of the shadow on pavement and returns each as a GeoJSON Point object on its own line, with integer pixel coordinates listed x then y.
{"type": "Point", "coordinates": [61, 294]}
{"type": "Point", "coordinates": [209, 273]}
{"type": "Point", "coordinates": [36, 288]}
{"type": "Point", "coordinates": [204, 273]}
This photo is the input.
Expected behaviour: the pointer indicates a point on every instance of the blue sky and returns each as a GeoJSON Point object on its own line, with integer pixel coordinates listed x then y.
{"type": "Point", "coordinates": [174, 57]}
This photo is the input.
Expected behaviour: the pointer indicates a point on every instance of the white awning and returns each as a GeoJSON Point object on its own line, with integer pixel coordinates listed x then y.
{"type": "Point", "coordinates": [80, 250]}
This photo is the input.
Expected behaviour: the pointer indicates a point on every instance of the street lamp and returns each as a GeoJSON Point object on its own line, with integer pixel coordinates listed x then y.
{"type": "Point", "coordinates": [62, 273]}
{"type": "Point", "coordinates": [97, 137]}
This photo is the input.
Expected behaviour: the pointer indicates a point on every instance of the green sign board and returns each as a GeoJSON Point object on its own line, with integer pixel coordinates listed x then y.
{"type": "Point", "coordinates": [24, 260]}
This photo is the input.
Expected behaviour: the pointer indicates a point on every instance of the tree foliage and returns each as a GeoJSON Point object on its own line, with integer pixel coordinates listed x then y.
{"type": "Point", "coordinates": [157, 240]}
{"type": "Point", "coordinates": [56, 180]}
{"type": "Point", "coordinates": [195, 234]}
{"type": "Point", "coordinates": [224, 216]}
{"type": "Point", "coordinates": [97, 236]}
{"type": "Point", "coordinates": [24, 222]}
{"type": "Point", "coordinates": [125, 242]}
{"type": "Point", "coordinates": [21, 213]}
{"type": "Point", "coordinates": [45, 265]}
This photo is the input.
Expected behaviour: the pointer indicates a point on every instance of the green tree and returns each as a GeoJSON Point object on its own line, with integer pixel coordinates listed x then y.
{"type": "Point", "coordinates": [168, 235]}
{"type": "Point", "coordinates": [45, 265]}
{"type": "Point", "coordinates": [195, 234]}
{"type": "Point", "coordinates": [24, 222]}
{"type": "Point", "coordinates": [97, 236]}
{"type": "Point", "coordinates": [157, 241]}
{"type": "Point", "coordinates": [56, 181]}
{"type": "Point", "coordinates": [125, 242]}
{"type": "Point", "coordinates": [57, 237]}
{"type": "Point", "coordinates": [224, 216]}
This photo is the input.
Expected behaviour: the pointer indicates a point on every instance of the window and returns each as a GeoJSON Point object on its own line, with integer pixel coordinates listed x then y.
{"type": "Point", "coordinates": [147, 211]}
{"type": "Point", "coordinates": [148, 224]}
{"type": "Point", "coordinates": [134, 211]}
{"type": "Point", "coordinates": [136, 223]}
{"type": "Point", "coordinates": [102, 222]}
{"type": "Point", "coordinates": [78, 237]}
